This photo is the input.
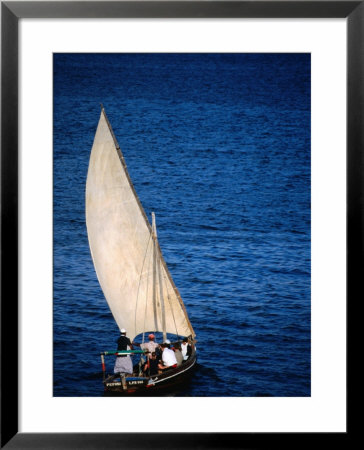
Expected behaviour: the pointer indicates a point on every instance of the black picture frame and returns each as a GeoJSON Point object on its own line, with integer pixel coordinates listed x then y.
{"type": "Point", "coordinates": [11, 12]}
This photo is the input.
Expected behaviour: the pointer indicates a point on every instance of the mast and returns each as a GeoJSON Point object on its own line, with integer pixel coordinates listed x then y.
{"type": "Point", "coordinates": [157, 269]}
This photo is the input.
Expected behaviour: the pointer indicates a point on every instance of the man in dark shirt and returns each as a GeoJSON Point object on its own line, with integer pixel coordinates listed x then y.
{"type": "Point", "coordinates": [123, 363]}
{"type": "Point", "coordinates": [151, 366]}
{"type": "Point", "coordinates": [124, 341]}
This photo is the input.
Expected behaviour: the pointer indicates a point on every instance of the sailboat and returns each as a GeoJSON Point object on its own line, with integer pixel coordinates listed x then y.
{"type": "Point", "coordinates": [130, 267]}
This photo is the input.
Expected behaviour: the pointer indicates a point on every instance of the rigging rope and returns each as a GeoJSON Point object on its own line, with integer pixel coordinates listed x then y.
{"type": "Point", "coordinates": [170, 305]}
{"type": "Point", "coordinates": [146, 300]}
{"type": "Point", "coordinates": [140, 278]}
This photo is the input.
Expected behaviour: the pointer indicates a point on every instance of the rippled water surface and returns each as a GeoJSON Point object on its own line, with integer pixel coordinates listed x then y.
{"type": "Point", "coordinates": [218, 145]}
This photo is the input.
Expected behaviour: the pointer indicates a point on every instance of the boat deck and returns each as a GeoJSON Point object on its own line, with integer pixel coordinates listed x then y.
{"type": "Point", "coordinates": [117, 383]}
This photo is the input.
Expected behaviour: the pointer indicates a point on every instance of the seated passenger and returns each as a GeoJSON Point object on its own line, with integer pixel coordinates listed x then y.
{"type": "Point", "coordinates": [168, 357]}
{"type": "Point", "coordinates": [178, 353]}
{"type": "Point", "coordinates": [151, 366]}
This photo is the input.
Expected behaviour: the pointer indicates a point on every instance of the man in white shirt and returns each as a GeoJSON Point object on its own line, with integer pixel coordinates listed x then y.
{"type": "Point", "coordinates": [186, 349]}
{"type": "Point", "coordinates": [168, 357]}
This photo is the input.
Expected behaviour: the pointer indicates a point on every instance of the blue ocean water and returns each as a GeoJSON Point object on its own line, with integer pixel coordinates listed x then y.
{"type": "Point", "coordinates": [218, 145]}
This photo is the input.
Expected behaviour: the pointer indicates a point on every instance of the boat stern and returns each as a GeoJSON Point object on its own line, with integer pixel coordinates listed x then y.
{"type": "Point", "coordinates": [125, 384]}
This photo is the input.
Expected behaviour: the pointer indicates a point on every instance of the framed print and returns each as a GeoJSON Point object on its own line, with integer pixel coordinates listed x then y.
{"type": "Point", "coordinates": [233, 130]}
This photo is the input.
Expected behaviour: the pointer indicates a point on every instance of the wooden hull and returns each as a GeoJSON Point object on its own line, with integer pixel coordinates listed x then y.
{"type": "Point", "coordinates": [115, 385]}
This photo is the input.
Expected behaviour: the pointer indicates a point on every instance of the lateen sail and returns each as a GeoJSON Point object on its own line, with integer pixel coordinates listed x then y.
{"type": "Point", "coordinates": [129, 265]}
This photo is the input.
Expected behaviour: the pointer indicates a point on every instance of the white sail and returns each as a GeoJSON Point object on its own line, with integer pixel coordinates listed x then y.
{"type": "Point", "coordinates": [129, 265]}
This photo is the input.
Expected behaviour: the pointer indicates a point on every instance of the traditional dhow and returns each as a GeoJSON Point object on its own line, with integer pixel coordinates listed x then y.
{"type": "Point", "coordinates": [130, 267]}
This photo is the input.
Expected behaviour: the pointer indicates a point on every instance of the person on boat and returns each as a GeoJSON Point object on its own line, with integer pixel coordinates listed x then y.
{"type": "Point", "coordinates": [151, 366]}
{"type": "Point", "coordinates": [151, 346]}
{"type": "Point", "coordinates": [186, 349]}
{"type": "Point", "coordinates": [168, 357]}
{"type": "Point", "coordinates": [123, 363]}
{"type": "Point", "coordinates": [178, 353]}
